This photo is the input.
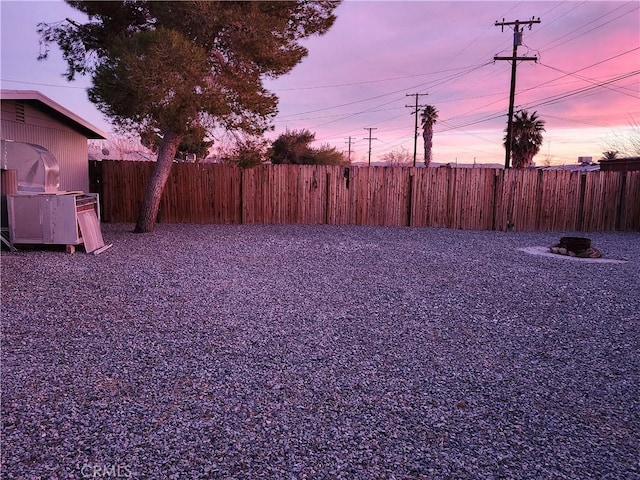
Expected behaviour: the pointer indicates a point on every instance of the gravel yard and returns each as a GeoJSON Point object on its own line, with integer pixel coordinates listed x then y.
{"type": "Point", "coordinates": [321, 352]}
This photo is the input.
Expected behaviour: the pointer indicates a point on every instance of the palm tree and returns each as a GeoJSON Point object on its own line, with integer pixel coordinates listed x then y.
{"type": "Point", "coordinates": [610, 155]}
{"type": "Point", "coordinates": [428, 119]}
{"type": "Point", "coordinates": [526, 138]}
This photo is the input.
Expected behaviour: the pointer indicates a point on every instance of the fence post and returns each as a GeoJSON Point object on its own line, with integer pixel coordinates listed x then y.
{"type": "Point", "coordinates": [95, 181]}
{"type": "Point", "coordinates": [498, 179]}
{"type": "Point", "coordinates": [540, 186]}
{"type": "Point", "coordinates": [241, 196]}
{"type": "Point", "coordinates": [326, 197]}
{"type": "Point", "coordinates": [410, 200]}
{"type": "Point", "coordinates": [583, 188]}
{"type": "Point", "coordinates": [620, 202]}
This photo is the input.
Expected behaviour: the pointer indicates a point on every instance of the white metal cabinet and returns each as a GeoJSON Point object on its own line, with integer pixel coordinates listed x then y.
{"type": "Point", "coordinates": [49, 218]}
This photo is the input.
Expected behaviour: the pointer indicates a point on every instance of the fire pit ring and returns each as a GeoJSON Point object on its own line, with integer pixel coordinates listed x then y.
{"type": "Point", "coordinates": [575, 244]}
{"type": "Point", "coordinates": [575, 247]}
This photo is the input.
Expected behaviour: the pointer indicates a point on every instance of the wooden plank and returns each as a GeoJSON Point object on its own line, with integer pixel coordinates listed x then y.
{"type": "Point", "coordinates": [601, 200]}
{"type": "Point", "coordinates": [432, 193]}
{"type": "Point", "coordinates": [418, 203]}
{"type": "Point", "coordinates": [341, 185]}
{"type": "Point", "coordinates": [549, 205]}
{"type": "Point", "coordinates": [248, 193]}
{"type": "Point", "coordinates": [355, 195]}
{"type": "Point", "coordinates": [572, 204]}
{"type": "Point", "coordinates": [435, 191]}
{"type": "Point", "coordinates": [235, 200]}
{"type": "Point", "coordinates": [630, 205]}
{"type": "Point", "coordinates": [430, 196]}
{"type": "Point", "coordinates": [457, 197]}
{"type": "Point", "coordinates": [591, 187]}
{"type": "Point", "coordinates": [378, 206]}
{"type": "Point", "coordinates": [90, 230]}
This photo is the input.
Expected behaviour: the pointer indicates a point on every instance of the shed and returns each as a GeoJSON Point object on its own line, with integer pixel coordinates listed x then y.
{"type": "Point", "coordinates": [31, 117]}
{"type": "Point", "coordinates": [627, 164]}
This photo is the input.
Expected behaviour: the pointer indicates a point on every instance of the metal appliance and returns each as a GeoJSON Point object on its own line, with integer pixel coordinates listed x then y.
{"type": "Point", "coordinates": [41, 213]}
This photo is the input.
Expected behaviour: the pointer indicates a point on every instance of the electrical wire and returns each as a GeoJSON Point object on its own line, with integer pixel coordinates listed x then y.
{"type": "Point", "coordinates": [403, 90]}
{"type": "Point", "coordinates": [550, 82]}
{"type": "Point", "coordinates": [41, 84]}
{"type": "Point", "coordinates": [586, 79]}
{"type": "Point", "coordinates": [365, 82]}
{"type": "Point", "coordinates": [560, 97]}
{"type": "Point", "coordinates": [590, 30]}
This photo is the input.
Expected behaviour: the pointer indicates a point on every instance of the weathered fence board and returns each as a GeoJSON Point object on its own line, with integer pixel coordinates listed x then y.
{"type": "Point", "coordinates": [630, 208]}
{"type": "Point", "coordinates": [482, 199]}
{"type": "Point", "coordinates": [560, 201]}
{"type": "Point", "coordinates": [601, 201]}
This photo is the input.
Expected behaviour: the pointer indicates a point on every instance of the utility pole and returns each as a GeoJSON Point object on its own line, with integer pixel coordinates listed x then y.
{"type": "Point", "coordinates": [514, 58]}
{"type": "Point", "coordinates": [349, 142]}
{"type": "Point", "coordinates": [415, 112]}
{"type": "Point", "coordinates": [369, 138]}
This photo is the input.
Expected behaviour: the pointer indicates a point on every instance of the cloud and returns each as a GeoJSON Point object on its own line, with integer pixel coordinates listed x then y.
{"type": "Point", "coordinates": [359, 73]}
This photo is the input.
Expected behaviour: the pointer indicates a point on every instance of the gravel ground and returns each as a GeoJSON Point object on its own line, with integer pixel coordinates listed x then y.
{"type": "Point", "coordinates": [321, 352]}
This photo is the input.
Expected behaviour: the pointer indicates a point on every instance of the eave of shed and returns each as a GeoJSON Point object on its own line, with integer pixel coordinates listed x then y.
{"type": "Point", "coordinates": [56, 110]}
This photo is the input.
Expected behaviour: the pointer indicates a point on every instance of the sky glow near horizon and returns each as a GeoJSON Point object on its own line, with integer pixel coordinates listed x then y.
{"type": "Point", "coordinates": [585, 84]}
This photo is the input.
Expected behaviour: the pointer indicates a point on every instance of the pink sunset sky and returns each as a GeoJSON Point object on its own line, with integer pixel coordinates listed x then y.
{"type": "Point", "coordinates": [585, 84]}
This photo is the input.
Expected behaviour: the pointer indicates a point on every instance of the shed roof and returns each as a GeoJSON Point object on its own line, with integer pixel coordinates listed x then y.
{"type": "Point", "coordinates": [56, 110]}
{"type": "Point", "coordinates": [624, 164]}
{"type": "Point", "coordinates": [620, 160]}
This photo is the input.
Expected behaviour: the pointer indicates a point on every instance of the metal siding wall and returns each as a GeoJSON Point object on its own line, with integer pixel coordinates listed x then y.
{"type": "Point", "coordinates": [68, 146]}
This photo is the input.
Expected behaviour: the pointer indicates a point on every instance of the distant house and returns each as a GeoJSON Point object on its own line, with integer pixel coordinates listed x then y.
{"type": "Point", "coordinates": [573, 167]}
{"type": "Point", "coordinates": [620, 164]}
{"type": "Point", "coordinates": [467, 165]}
{"type": "Point", "coordinates": [106, 154]}
{"type": "Point", "coordinates": [31, 117]}
{"type": "Point", "coordinates": [584, 165]}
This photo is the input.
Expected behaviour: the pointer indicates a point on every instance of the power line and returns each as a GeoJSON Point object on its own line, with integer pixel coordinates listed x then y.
{"type": "Point", "coordinates": [380, 105]}
{"type": "Point", "coordinates": [593, 82]}
{"type": "Point", "coordinates": [588, 31]}
{"type": "Point", "coordinates": [547, 24]}
{"type": "Point", "coordinates": [365, 82]}
{"type": "Point", "coordinates": [41, 84]}
{"type": "Point", "coordinates": [496, 116]}
{"type": "Point", "coordinates": [475, 122]}
{"type": "Point", "coordinates": [543, 101]}
{"type": "Point", "coordinates": [419, 86]}
{"type": "Point", "coordinates": [557, 98]}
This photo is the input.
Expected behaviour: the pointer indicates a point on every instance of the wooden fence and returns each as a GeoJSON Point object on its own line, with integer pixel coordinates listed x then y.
{"type": "Point", "coordinates": [482, 199]}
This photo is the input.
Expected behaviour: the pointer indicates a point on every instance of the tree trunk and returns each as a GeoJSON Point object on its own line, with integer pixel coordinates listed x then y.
{"type": "Point", "coordinates": [529, 160]}
{"type": "Point", "coordinates": [161, 170]}
{"type": "Point", "coordinates": [427, 135]}
{"type": "Point", "coordinates": [518, 160]}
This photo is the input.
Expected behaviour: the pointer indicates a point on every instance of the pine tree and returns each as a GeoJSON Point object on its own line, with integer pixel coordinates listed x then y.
{"type": "Point", "coordinates": [172, 69]}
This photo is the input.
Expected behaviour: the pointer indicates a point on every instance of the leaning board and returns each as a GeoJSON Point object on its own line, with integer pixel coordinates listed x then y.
{"type": "Point", "coordinates": [90, 229]}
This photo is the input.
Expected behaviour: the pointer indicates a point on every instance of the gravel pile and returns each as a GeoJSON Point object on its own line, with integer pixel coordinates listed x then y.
{"type": "Point", "coordinates": [321, 352]}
